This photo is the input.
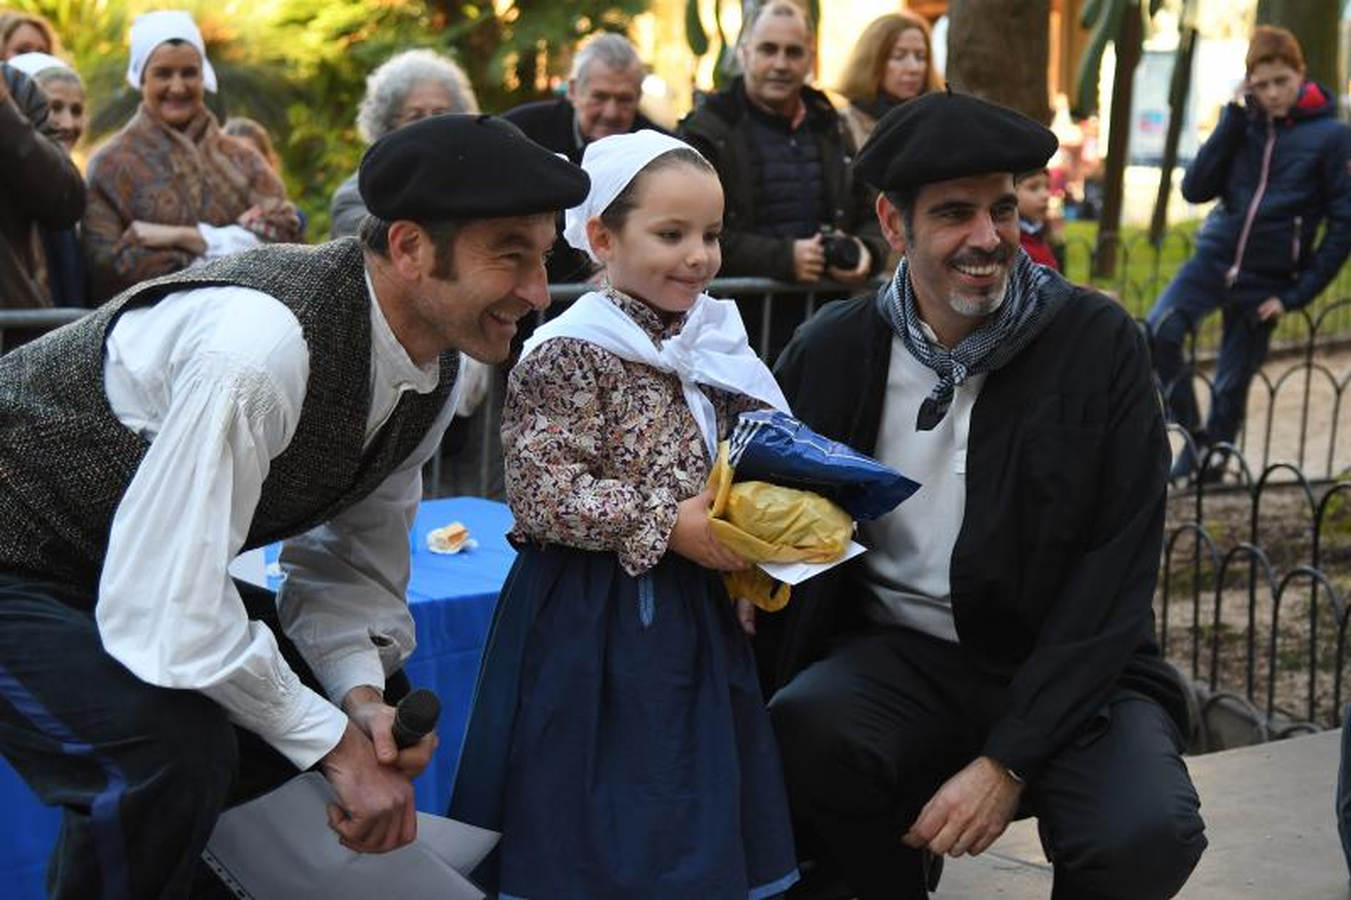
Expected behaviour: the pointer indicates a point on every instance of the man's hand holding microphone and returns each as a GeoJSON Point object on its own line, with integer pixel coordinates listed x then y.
{"type": "Point", "coordinates": [372, 767]}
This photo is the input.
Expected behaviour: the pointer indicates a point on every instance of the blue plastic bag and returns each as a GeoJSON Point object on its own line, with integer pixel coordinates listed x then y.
{"type": "Point", "coordinates": [768, 445]}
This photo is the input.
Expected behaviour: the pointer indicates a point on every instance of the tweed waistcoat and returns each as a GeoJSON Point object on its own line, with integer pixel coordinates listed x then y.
{"type": "Point", "coordinates": [66, 460]}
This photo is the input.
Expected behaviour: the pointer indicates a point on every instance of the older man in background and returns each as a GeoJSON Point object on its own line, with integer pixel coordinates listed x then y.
{"type": "Point", "coordinates": [604, 91]}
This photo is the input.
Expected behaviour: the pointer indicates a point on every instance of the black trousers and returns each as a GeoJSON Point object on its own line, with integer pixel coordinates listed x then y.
{"type": "Point", "coordinates": [142, 772]}
{"type": "Point", "coordinates": [869, 733]}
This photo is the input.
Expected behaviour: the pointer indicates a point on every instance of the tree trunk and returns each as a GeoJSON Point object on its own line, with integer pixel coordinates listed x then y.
{"type": "Point", "coordinates": [1179, 92]}
{"type": "Point", "coordinates": [997, 50]}
{"type": "Point", "coordinates": [1127, 46]}
{"type": "Point", "coordinates": [1314, 23]}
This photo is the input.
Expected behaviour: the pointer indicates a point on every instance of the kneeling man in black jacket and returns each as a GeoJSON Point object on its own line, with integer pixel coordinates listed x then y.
{"type": "Point", "coordinates": [993, 655]}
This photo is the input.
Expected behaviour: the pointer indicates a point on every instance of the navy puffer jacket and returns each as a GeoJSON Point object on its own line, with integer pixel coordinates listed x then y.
{"type": "Point", "coordinates": [1276, 182]}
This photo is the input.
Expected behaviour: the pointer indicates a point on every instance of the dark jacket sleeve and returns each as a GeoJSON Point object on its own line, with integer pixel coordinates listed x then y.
{"type": "Point", "coordinates": [1095, 624]}
{"type": "Point", "coordinates": [750, 255]}
{"type": "Point", "coordinates": [1332, 250]}
{"type": "Point", "coordinates": [346, 210]}
{"type": "Point", "coordinates": [38, 174]}
{"type": "Point", "coordinates": [1206, 176]}
{"type": "Point", "coordinates": [862, 201]}
{"type": "Point", "coordinates": [866, 227]}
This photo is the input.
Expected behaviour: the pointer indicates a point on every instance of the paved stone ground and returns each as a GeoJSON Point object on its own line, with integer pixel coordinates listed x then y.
{"type": "Point", "coordinates": [1269, 818]}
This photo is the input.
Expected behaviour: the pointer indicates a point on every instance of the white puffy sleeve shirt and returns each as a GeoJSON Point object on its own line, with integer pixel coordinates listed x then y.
{"type": "Point", "coordinates": [215, 378]}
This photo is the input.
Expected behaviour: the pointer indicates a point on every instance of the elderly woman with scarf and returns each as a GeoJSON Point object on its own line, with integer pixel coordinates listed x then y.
{"type": "Point", "coordinates": [170, 188]}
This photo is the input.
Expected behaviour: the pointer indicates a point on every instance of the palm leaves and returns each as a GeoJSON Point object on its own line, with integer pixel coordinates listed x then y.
{"type": "Point", "coordinates": [1106, 18]}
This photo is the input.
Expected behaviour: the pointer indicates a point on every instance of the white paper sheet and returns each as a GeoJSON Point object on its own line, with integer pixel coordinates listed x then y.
{"type": "Point", "coordinates": [794, 573]}
{"type": "Point", "coordinates": [280, 846]}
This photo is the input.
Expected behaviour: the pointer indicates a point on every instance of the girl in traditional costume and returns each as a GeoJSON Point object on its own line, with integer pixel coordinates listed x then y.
{"type": "Point", "coordinates": [619, 739]}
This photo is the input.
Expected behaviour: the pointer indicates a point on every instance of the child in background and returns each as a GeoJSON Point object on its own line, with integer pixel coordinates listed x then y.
{"type": "Point", "coordinates": [1041, 239]}
{"type": "Point", "coordinates": [619, 739]}
{"type": "Point", "coordinates": [255, 135]}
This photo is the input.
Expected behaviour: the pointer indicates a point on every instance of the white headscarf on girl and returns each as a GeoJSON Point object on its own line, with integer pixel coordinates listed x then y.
{"type": "Point", "coordinates": [154, 28]}
{"type": "Point", "coordinates": [711, 348]}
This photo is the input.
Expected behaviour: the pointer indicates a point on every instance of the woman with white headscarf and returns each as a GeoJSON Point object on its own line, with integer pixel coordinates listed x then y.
{"type": "Point", "coordinates": [170, 188]}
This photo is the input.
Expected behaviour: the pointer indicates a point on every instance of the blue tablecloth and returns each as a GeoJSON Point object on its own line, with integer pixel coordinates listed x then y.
{"type": "Point", "coordinates": [452, 599]}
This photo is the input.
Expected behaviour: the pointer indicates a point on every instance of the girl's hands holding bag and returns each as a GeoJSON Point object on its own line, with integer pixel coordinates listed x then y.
{"type": "Point", "coordinates": [693, 538]}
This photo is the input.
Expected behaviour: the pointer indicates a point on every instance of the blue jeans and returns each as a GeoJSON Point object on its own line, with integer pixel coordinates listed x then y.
{"type": "Point", "coordinates": [1197, 291]}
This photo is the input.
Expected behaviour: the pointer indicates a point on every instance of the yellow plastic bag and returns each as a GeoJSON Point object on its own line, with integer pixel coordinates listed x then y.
{"type": "Point", "coordinates": [767, 523]}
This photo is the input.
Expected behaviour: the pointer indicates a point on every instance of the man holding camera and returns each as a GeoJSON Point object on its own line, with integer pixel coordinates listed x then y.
{"type": "Point", "coordinates": [794, 210]}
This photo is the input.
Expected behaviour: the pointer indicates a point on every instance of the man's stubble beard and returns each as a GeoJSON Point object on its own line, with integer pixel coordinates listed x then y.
{"type": "Point", "coordinates": [978, 307]}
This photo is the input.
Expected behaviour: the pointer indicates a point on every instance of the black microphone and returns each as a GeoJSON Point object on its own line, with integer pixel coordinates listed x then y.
{"type": "Point", "coordinates": [415, 717]}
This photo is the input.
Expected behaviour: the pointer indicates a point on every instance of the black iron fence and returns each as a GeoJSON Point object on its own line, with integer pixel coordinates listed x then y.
{"type": "Point", "coordinates": [1295, 405]}
{"type": "Point", "coordinates": [1251, 603]}
{"type": "Point", "coordinates": [1141, 272]}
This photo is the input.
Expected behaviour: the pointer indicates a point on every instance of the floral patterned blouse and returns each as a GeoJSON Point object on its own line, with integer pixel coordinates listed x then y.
{"type": "Point", "coordinates": [599, 450]}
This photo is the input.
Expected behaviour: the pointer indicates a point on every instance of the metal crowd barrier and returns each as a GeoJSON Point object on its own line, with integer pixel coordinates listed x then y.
{"type": "Point", "coordinates": [1282, 681]}
{"type": "Point", "coordinates": [37, 319]}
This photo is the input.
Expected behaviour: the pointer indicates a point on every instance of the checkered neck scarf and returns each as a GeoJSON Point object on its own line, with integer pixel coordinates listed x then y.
{"type": "Point", "coordinates": [1031, 298]}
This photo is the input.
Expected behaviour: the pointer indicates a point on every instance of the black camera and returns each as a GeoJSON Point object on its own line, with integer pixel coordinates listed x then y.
{"type": "Point", "coordinates": [842, 251]}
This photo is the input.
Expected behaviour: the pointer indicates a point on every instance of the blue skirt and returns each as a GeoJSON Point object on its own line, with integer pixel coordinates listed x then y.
{"type": "Point", "coordinates": [619, 740]}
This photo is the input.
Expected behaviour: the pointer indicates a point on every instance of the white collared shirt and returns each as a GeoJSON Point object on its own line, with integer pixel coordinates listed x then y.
{"type": "Point", "coordinates": [215, 378]}
{"type": "Point", "coordinates": [909, 561]}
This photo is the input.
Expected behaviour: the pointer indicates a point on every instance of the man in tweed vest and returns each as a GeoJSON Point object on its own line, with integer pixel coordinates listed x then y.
{"type": "Point", "coordinates": [288, 393]}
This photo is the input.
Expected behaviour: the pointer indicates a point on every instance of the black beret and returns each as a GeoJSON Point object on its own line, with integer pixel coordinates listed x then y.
{"type": "Point", "coordinates": [942, 135]}
{"type": "Point", "coordinates": [458, 166]}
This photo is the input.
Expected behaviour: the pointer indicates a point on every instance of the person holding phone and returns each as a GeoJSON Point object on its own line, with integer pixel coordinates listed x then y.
{"type": "Point", "coordinates": [1278, 164]}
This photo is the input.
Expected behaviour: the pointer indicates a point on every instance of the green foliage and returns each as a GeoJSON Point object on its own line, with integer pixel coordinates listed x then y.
{"type": "Point", "coordinates": [694, 29]}
{"type": "Point", "coordinates": [1141, 273]}
{"type": "Point", "coordinates": [1337, 516]}
{"type": "Point", "coordinates": [697, 38]}
{"type": "Point", "coordinates": [300, 66]}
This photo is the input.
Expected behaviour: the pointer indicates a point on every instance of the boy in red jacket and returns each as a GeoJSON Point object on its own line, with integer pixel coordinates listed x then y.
{"type": "Point", "coordinates": [1039, 237]}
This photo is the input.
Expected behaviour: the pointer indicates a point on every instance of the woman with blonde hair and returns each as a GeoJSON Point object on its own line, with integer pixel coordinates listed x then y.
{"type": "Point", "coordinates": [22, 32]}
{"type": "Point", "coordinates": [892, 62]}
